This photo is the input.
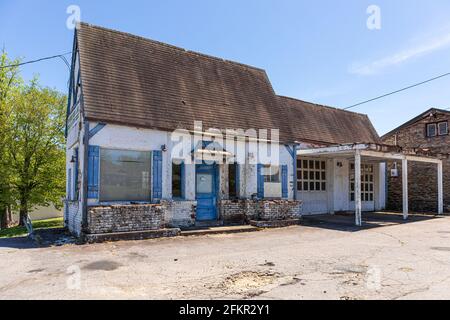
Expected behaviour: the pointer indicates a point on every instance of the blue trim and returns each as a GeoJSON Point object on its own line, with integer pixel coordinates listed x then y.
{"type": "Point", "coordinates": [93, 172]}
{"type": "Point", "coordinates": [207, 206]}
{"type": "Point", "coordinates": [291, 151]}
{"type": "Point", "coordinates": [157, 175]}
{"type": "Point", "coordinates": [96, 130]}
{"type": "Point", "coordinates": [260, 182]}
{"type": "Point", "coordinates": [284, 181]}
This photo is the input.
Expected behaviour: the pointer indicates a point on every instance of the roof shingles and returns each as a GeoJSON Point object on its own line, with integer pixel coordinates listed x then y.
{"type": "Point", "coordinates": [135, 81]}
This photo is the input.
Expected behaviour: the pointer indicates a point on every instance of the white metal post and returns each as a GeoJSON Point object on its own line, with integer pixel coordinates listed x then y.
{"type": "Point", "coordinates": [358, 202]}
{"type": "Point", "coordinates": [440, 189]}
{"type": "Point", "coordinates": [405, 188]}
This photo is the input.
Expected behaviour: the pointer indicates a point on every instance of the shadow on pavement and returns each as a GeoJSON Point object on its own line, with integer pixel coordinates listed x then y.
{"type": "Point", "coordinates": [346, 221]}
{"type": "Point", "coordinates": [43, 239]}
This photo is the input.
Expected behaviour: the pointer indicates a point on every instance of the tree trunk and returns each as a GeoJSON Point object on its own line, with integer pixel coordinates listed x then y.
{"type": "Point", "coordinates": [3, 218]}
{"type": "Point", "coordinates": [23, 212]}
{"type": "Point", "coordinates": [9, 218]}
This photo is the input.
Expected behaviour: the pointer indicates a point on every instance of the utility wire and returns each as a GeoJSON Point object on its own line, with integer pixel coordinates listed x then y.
{"type": "Point", "coordinates": [61, 56]}
{"type": "Point", "coordinates": [397, 91]}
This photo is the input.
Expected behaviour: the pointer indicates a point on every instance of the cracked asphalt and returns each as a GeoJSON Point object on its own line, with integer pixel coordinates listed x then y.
{"type": "Point", "coordinates": [405, 261]}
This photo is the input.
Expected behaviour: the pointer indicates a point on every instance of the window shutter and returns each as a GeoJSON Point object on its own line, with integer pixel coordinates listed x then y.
{"type": "Point", "coordinates": [157, 175]}
{"type": "Point", "coordinates": [260, 182]}
{"type": "Point", "coordinates": [284, 181]}
{"type": "Point", "coordinates": [93, 172]}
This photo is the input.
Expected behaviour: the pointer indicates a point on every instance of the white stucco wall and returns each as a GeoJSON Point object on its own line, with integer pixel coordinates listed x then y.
{"type": "Point", "coordinates": [136, 139]}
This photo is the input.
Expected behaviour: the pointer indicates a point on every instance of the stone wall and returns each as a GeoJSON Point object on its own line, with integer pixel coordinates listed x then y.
{"type": "Point", "coordinates": [422, 187]}
{"type": "Point", "coordinates": [242, 211]}
{"type": "Point", "coordinates": [422, 177]}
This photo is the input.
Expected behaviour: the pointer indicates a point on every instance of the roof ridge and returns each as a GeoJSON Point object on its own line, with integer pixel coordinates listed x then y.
{"type": "Point", "coordinates": [196, 53]}
{"type": "Point", "coordinates": [413, 120]}
{"type": "Point", "coordinates": [323, 106]}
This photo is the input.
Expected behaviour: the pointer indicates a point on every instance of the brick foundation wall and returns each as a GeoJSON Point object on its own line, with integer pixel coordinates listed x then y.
{"type": "Point", "coordinates": [125, 218]}
{"type": "Point", "coordinates": [180, 214]}
{"type": "Point", "coordinates": [241, 211]}
{"type": "Point", "coordinates": [132, 218]}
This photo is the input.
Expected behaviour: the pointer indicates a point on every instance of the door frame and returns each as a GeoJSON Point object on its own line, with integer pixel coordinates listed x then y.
{"type": "Point", "coordinates": [215, 173]}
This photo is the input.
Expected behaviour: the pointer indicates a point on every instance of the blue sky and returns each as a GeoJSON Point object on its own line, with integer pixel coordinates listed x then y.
{"type": "Point", "coordinates": [320, 51]}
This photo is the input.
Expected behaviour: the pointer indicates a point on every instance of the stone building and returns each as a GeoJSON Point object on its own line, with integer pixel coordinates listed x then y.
{"type": "Point", "coordinates": [427, 134]}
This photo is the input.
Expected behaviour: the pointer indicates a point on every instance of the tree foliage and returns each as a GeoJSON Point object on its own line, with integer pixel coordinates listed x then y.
{"type": "Point", "coordinates": [33, 154]}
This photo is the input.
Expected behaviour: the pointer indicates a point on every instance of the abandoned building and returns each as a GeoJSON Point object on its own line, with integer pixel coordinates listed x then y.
{"type": "Point", "coordinates": [129, 94]}
{"type": "Point", "coordinates": [428, 133]}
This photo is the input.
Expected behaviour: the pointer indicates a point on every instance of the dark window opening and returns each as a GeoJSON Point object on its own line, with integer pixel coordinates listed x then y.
{"type": "Point", "coordinates": [177, 191]}
{"type": "Point", "coordinates": [431, 130]}
{"type": "Point", "coordinates": [232, 180]}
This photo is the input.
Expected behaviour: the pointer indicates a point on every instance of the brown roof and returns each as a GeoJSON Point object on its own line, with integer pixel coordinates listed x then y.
{"type": "Point", "coordinates": [144, 83]}
{"type": "Point", "coordinates": [318, 123]}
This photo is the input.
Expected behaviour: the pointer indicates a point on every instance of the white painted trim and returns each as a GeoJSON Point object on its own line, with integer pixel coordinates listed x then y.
{"type": "Point", "coordinates": [405, 188]}
{"type": "Point", "coordinates": [440, 189]}
{"type": "Point", "coordinates": [365, 152]}
{"type": "Point", "coordinates": [358, 201]}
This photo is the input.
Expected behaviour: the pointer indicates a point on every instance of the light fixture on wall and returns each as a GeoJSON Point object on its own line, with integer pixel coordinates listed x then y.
{"type": "Point", "coordinates": [163, 148]}
{"type": "Point", "coordinates": [73, 160]}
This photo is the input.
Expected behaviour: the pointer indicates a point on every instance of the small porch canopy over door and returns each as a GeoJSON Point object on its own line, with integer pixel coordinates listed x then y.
{"type": "Point", "coordinates": [380, 153]}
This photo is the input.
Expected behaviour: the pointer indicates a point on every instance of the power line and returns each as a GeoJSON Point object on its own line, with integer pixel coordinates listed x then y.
{"type": "Point", "coordinates": [61, 56]}
{"type": "Point", "coordinates": [397, 91]}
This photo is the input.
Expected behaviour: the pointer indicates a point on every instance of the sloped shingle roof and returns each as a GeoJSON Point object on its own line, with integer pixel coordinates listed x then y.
{"type": "Point", "coordinates": [134, 81]}
{"type": "Point", "coordinates": [326, 124]}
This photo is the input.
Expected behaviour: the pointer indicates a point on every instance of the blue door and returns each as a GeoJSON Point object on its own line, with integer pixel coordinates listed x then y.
{"type": "Point", "coordinates": [206, 190]}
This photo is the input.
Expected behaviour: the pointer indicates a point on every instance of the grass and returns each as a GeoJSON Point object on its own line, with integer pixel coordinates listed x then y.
{"type": "Point", "coordinates": [41, 224]}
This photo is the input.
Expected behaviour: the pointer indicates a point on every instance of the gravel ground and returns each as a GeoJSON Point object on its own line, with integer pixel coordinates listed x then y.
{"type": "Point", "coordinates": [406, 261]}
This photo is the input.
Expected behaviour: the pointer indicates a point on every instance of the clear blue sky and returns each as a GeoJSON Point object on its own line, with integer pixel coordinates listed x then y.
{"type": "Point", "coordinates": [321, 51]}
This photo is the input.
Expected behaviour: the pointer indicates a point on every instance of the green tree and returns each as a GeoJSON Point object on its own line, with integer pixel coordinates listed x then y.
{"type": "Point", "coordinates": [35, 149]}
{"type": "Point", "coordinates": [9, 80]}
